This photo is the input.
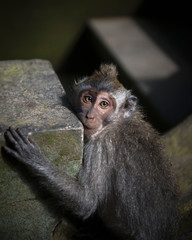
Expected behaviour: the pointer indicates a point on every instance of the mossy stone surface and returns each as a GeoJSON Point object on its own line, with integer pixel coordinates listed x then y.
{"type": "Point", "coordinates": [32, 98]}
{"type": "Point", "coordinates": [179, 147]}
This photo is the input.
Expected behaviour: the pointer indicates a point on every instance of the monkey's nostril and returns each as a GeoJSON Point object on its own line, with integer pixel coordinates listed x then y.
{"type": "Point", "coordinates": [89, 116]}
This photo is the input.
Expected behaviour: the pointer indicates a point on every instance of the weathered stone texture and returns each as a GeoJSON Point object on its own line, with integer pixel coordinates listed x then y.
{"type": "Point", "coordinates": [32, 98]}
{"type": "Point", "coordinates": [179, 147]}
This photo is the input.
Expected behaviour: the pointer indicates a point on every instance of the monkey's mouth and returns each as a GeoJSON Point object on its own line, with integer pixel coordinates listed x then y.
{"type": "Point", "coordinates": [89, 124]}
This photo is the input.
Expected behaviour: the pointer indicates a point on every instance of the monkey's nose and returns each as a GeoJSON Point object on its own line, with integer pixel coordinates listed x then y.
{"type": "Point", "coordinates": [90, 114]}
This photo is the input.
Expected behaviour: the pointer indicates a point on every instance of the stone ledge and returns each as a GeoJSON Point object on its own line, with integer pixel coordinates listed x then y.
{"type": "Point", "coordinates": [178, 144]}
{"type": "Point", "coordinates": [32, 98]}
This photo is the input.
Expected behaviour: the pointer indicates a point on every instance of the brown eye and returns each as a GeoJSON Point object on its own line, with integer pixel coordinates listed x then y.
{"type": "Point", "coordinates": [104, 104]}
{"type": "Point", "coordinates": [88, 99]}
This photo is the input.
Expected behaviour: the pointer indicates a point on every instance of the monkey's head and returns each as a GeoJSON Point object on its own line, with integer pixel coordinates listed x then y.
{"type": "Point", "coordinates": [101, 99]}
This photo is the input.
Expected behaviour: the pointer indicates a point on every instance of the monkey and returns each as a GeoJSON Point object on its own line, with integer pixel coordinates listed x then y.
{"type": "Point", "coordinates": [125, 177]}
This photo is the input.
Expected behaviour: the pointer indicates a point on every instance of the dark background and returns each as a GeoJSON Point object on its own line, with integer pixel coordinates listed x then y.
{"type": "Point", "coordinates": [47, 29]}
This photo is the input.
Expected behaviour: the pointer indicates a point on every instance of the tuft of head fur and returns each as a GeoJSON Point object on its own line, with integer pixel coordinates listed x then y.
{"type": "Point", "coordinates": [104, 79]}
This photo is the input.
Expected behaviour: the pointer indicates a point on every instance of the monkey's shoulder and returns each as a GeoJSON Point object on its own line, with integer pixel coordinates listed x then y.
{"type": "Point", "coordinates": [135, 135]}
{"type": "Point", "coordinates": [133, 128]}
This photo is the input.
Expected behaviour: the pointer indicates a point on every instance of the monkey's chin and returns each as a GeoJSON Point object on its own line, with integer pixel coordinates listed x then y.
{"type": "Point", "coordinates": [90, 130]}
{"type": "Point", "coordinates": [88, 127]}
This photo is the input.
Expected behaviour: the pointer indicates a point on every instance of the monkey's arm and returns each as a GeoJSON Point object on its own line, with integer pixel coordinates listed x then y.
{"type": "Point", "coordinates": [56, 188]}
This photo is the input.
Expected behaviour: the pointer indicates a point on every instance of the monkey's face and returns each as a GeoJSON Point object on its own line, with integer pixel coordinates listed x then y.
{"type": "Point", "coordinates": [95, 110]}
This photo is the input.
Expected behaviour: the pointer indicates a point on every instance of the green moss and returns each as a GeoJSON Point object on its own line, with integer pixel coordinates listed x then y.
{"type": "Point", "coordinates": [187, 208]}
{"type": "Point", "coordinates": [186, 221]}
{"type": "Point", "coordinates": [63, 148]}
{"type": "Point", "coordinates": [178, 144]}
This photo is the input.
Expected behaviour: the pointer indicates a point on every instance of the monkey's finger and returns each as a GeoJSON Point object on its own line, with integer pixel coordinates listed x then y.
{"type": "Point", "coordinates": [7, 152]}
{"type": "Point", "coordinates": [10, 140]}
{"type": "Point", "coordinates": [33, 143]}
{"type": "Point", "coordinates": [25, 140]}
{"type": "Point", "coordinates": [15, 135]}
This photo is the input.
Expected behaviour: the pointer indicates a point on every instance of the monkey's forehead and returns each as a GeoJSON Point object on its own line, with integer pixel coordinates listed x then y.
{"type": "Point", "coordinates": [120, 93]}
{"type": "Point", "coordinates": [106, 86]}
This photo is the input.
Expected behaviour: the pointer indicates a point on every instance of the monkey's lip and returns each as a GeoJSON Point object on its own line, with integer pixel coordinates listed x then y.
{"type": "Point", "coordinates": [89, 125]}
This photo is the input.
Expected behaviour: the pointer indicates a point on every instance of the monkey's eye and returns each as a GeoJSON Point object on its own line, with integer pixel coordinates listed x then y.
{"type": "Point", "coordinates": [88, 99]}
{"type": "Point", "coordinates": [104, 104]}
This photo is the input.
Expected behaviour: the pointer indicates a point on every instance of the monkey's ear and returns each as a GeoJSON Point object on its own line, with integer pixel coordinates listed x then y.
{"type": "Point", "coordinates": [130, 105]}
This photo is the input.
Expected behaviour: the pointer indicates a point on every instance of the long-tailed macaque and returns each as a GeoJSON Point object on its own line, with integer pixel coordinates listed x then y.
{"type": "Point", "coordinates": [125, 177]}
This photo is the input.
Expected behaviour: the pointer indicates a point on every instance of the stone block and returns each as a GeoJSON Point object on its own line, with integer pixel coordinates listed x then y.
{"type": "Point", "coordinates": [178, 144]}
{"type": "Point", "coordinates": [32, 98]}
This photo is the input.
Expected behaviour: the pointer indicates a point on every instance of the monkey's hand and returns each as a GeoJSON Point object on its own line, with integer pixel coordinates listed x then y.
{"type": "Point", "coordinates": [20, 149]}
